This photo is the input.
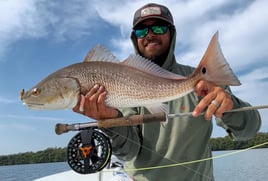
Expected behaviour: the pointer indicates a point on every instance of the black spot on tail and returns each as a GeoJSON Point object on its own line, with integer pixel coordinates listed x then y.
{"type": "Point", "coordinates": [204, 70]}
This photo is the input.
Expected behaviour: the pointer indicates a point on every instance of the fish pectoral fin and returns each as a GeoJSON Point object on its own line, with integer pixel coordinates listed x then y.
{"type": "Point", "coordinates": [158, 108]}
{"type": "Point", "coordinates": [100, 53]}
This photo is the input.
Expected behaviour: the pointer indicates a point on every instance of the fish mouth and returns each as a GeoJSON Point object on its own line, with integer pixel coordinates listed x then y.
{"type": "Point", "coordinates": [31, 105]}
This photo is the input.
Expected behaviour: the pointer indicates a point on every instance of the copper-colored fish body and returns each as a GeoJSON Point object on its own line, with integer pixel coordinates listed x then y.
{"type": "Point", "coordinates": [132, 83]}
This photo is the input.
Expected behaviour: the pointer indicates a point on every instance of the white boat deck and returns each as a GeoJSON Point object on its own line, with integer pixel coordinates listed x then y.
{"type": "Point", "coordinates": [72, 175]}
{"type": "Point", "coordinates": [112, 174]}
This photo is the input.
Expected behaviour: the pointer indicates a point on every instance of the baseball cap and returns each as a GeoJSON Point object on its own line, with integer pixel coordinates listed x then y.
{"type": "Point", "coordinates": [152, 10]}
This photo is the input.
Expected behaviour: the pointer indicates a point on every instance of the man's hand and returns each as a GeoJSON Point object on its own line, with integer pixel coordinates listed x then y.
{"type": "Point", "coordinates": [93, 104]}
{"type": "Point", "coordinates": [215, 99]}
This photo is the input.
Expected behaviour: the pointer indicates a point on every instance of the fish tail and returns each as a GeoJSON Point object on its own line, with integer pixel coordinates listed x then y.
{"type": "Point", "coordinates": [214, 67]}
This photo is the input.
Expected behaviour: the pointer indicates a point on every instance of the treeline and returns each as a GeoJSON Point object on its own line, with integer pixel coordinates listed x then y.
{"type": "Point", "coordinates": [59, 154]}
{"type": "Point", "coordinates": [226, 143]}
{"type": "Point", "coordinates": [45, 156]}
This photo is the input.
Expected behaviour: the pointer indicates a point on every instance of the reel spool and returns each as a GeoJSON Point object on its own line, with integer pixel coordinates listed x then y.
{"type": "Point", "coordinates": [89, 151]}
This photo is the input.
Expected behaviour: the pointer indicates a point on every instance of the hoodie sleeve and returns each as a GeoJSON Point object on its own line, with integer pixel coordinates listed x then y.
{"type": "Point", "coordinates": [241, 125]}
{"type": "Point", "coordinates": [126, 140]}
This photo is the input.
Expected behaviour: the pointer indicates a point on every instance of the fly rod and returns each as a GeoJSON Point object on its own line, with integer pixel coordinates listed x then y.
{"type": "Point", "coordinates": [135, 120]}
{"type": "Point", "coordinates": [248, 108]}
{"type": "Point", "coordinates": [108, 123]}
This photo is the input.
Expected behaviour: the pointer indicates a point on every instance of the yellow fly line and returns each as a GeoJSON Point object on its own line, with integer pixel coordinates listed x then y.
{"type": "Point", "coordinates": [138, 119]}
{"type": "Point", "coordinates": [191, 162]}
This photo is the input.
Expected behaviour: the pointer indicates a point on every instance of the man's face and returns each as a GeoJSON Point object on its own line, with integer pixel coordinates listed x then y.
{"type": "Point", "coordinates": [154, 46]}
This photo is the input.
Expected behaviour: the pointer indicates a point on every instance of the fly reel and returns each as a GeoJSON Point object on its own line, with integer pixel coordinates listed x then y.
{"type": "Point", "coordinates": [89, 151]}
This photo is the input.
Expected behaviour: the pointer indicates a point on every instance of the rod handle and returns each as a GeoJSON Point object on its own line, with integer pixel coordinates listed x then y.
{"type": "Point", "coordinates": [131, 120]}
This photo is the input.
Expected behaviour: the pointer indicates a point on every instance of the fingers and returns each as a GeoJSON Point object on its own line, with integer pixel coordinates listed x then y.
{"type": "Point", "coordinates": [202, 88]}
{"type": "Point", "coordinates": [79, 108]}
{"type": "Point", "coordinates": [92, 100]}
{"type": "Point", "coordinates": [206, 103]}
{"type": "Point", "coordinates": [82, 103]}
{"type": "Point", "coordinates": [225, 105]}
{"type": "Point", "coordinates": [93, 104]}
{"type": "Point", "coordinates": [87, 101]}
{"type": "Point", "coordinates": [220, 102]}
{"type": "Point", "coordinates": [216, 101]}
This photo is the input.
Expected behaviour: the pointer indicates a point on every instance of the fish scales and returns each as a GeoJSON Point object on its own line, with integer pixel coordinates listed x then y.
{"type": "Point", "coordinates": [125, 86]}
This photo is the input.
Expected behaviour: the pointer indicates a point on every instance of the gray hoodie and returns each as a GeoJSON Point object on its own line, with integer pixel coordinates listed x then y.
{"type": "Point", "coordinates": [182, 140]}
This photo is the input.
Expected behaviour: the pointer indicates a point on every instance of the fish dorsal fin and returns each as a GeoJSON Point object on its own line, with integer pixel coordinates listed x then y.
{"type": "Point", "coordinates": [100, 53]}
{"type": "Point", "coordinates": [148, 66]}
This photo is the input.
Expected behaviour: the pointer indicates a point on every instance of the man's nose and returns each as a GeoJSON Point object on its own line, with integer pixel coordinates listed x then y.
{"type": "Point", "coordinates": [150, 34]}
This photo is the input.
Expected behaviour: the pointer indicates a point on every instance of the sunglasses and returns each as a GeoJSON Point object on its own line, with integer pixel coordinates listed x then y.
{"type": "Point", "coordinates": [141, 32]}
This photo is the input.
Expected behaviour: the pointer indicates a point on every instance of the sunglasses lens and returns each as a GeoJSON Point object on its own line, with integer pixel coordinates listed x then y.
{"type": "Point", "coordinates": [159, 30]}
{"type": "Point", "coordinates": [141, 33]}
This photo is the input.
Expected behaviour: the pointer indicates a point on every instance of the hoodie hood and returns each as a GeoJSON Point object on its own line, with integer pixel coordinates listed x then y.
{"type": "Point", "coordinates": [170, 59]}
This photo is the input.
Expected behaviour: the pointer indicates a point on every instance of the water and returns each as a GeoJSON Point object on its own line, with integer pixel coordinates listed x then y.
{"type": "Point", "coordinates": [30, 172]}
{"type": "Point", "coordinates": [250, 165]}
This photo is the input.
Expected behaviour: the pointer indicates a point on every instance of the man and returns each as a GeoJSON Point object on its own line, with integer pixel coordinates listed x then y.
{"type": "Point", "coordinates": [182, 139]}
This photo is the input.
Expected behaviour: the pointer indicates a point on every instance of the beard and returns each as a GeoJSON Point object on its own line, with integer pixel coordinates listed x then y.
{"type": "Point", "coordinates": [157, 59]}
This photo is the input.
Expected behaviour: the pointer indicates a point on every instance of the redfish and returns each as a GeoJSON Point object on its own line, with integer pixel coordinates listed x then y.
{"type": "Point", "coordinates": [134, 82]}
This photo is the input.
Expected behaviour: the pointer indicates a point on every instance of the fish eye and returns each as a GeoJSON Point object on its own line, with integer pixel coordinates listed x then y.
{"type": "Point", "coordinates": [36, 91]}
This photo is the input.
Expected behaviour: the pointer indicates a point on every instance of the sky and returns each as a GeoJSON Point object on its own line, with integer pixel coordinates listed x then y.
{"type": "Point", "coordinates": [37, 37]}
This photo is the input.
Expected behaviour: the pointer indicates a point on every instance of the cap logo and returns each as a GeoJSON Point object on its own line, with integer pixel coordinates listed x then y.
{"type": "Point", "coordinates": [150, 11]}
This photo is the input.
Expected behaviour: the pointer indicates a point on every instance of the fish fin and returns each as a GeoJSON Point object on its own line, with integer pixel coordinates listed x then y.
{"type": "Point", "coordinates": [100, 53]}
{"type": "Point", "coordinates": [213, 66]}
{"type": "Point", "coordinates": [158, 109]}
{"type": "Point", "coordinates": [148, 66]}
